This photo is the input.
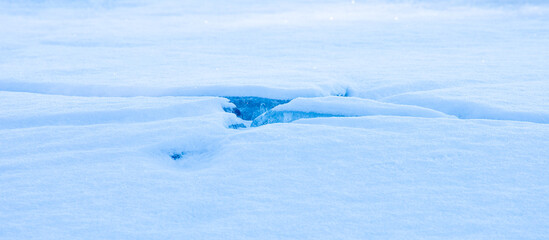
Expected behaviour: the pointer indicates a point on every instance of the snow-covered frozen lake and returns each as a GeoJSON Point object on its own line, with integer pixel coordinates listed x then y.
{"type": "Point", "coordinates": [296, 119]}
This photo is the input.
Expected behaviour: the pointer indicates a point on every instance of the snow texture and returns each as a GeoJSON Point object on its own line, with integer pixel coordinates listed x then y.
{"type": "Point", "coordinates": [485, 102]}
{"type": "Point", "coordinates": [381, 119]}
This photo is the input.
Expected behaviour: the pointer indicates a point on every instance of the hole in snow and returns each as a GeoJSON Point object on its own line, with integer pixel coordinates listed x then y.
{"type": "Point", "coordinates": [177, 156]}
{"type": "Point", "coordinates": [248, 108]}
{"type": "Point", "coordinates": [257, 111]}
{"type": "Point", "coordinates": [186, 155]}
{"type": "Point", "coordinates": [192, 159]}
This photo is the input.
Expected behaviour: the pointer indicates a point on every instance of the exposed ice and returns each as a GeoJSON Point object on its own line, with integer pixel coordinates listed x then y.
{"type": "Point", "coordinates": [248, 108]}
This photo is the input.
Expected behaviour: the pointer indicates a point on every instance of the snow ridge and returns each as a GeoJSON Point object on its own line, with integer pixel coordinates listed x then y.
{"type": "Point", "coordinates": [339, 107]}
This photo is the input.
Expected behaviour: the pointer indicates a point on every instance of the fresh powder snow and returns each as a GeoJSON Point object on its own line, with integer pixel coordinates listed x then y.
{"type": "Point", "coordinates": [240, 119]}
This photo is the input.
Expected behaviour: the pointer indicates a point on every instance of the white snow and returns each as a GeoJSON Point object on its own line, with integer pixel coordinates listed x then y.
{"type": "Point", "coordinates": [22, 110]}
{"type": "Point", "coordinates": [350, 106]}
{"type": "Point", "coordinates": [339, 106]}
{"type": "Point", "coordinates": [306, 90]}
{"type": "Point", "coordinates": [420, 119]}
{"type": "Point", "coordinates": [503, 102]}
{"type": "Point", "coordinates": [386, 177]}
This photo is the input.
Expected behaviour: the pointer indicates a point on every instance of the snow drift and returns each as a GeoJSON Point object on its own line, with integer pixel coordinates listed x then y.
{"type": "Point", "coordinates": [339, 107]}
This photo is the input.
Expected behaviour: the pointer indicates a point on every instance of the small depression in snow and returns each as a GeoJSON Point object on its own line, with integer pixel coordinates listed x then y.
{"type": "Point", "coordinates": [177, 156]}
{"type": "Point", "coordinates": [191, 159]}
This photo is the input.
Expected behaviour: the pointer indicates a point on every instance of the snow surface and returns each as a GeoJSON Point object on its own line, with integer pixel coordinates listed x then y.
{"type": "Point", "coordinates": [385, 119]}
{"type": "Point", "coordinates": [23, 110]}
{"type": "Point", "coordinates": [507, 102]}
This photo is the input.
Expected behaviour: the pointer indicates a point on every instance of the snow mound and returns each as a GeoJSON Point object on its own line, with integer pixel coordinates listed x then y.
{"type": "Point", "coordinates": [22, 110]}
{"type": "Point", "coordinates": [339, 107]}
{"type": "Point", "coordinates": [229, 90]}
{"type": "Point", "coordinates": [528, 102]}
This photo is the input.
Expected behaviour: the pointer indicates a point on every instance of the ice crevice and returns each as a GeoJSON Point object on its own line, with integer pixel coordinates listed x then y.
{"type": "Point", "coordinates": [260, 111]}
{"type": "Point", "coordinates": [249, 108]}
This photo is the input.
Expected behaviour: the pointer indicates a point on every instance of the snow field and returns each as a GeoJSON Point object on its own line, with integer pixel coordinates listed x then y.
{"type": "Point", "coordinates": [317, 178]}
{"type": "Point", "coordinates": [372, 119]}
